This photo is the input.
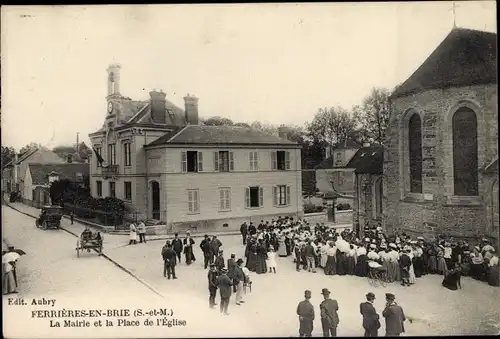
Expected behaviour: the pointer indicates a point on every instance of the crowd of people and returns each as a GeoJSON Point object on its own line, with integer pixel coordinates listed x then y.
{"type": "Point", "coordinates": [403, 259]}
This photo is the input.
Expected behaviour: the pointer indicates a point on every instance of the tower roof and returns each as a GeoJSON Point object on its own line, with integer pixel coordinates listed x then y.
{"type": "Point", "coordinates": [465, 57]}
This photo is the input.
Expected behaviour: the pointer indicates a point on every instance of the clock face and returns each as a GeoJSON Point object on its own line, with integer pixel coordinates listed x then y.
{"type": "Point", "coordinates": [110, 107]}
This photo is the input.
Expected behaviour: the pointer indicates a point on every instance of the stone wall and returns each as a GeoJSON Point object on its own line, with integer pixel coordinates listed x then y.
{"type": "Point", "coordinates": [436, 205]}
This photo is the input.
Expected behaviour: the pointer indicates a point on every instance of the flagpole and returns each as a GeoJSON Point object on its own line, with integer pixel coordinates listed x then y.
{"type": "Point", "coordinates": [454, 16]}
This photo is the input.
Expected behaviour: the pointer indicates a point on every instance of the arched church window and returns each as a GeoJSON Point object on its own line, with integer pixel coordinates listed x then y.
{"type": "Point", "coordinates": [415, 150]}
{"type": "Point", "coordinates": [465, 157]}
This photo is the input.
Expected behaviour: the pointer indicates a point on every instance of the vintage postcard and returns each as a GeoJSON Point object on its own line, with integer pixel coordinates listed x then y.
{"type": "Point", "coordinates": [250, 170]}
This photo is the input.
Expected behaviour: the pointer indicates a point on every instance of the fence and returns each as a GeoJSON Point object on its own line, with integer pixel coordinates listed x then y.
{"type": "Point", "coordinates": [96, 216]}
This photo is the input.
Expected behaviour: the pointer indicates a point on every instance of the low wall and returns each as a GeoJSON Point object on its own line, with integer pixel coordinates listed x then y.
{"type": "Point", "coordinates": [341, 217]}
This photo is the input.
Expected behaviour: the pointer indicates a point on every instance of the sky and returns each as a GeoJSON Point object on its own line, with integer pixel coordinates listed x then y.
{"type": "Point", "coordinates": [273, 63]}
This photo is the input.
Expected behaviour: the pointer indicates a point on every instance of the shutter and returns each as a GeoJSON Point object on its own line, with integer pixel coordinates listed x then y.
{"type": "Point", "coordinates": [228, 199]}
{"type": "Point", "coordinates": [288, 198]}
{"type": "Point", "coordinates": [216, 161]}
{"type": "Point", "coordinates": [231, 161]}
{"type": "Point", "coordinates": [195, 201]}
{"type": "Point", "coordinates": [190, 201]}
{"type": "Point", "coordinates": [275, 195]}
{"type": "Point", "coordinates": [247, 197]}
{"type": "Point", "coordinates": [261, 197]}
{"type": "Point", "coordinates": [255, 161]}
{"type": "Point", "coordinates": [222, 197]}
{"type": "Point", "coordinates": [287, 160]}
{"type": "Point", "coordinates": [200, 162]}
{"type": "Point", "coordinates": [251, 161]}
{"type": "Point", "coordinates": [184, 162]}
{"type": "Point", "coordinates": [274, 163]}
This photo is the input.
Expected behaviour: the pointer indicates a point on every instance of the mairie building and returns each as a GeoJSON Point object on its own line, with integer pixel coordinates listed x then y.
{"type": "Point", "coordinates": [169, 168]}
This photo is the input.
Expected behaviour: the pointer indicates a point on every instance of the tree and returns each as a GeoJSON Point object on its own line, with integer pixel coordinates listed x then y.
{"type": "Point", "coordinates": [218, 121]}
{"type": "Point", "coordinates": [241, 124]}
{"type": "Point", "coordinates": [373, 114]}
{"type": "Point", "coordinates": [331, 126]}
{"type": "Point", "coordinates": [7, 154]}
{"type": "Point", "coordinates": [267, 128]}
{"type": "Point", "coordinates": [31, 146]}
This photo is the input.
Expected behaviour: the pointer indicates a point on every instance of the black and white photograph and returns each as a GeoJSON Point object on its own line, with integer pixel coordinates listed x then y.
{"type": "Point", "coordinates": [250, 170]}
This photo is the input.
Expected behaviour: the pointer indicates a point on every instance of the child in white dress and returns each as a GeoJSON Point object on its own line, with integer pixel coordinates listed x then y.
{"type": "Point", "coordinates": [271, 260]}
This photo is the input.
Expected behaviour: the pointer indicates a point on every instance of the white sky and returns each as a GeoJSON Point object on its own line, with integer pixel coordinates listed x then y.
{"type": "Point", "coordinates": [267, 62]}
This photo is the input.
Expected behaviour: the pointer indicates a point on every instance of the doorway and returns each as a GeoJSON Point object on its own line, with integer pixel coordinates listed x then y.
{"type": "Point", "coordinates": [155, 199]}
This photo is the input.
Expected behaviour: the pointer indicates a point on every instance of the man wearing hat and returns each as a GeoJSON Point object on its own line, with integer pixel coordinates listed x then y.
{"type": "Point", "coordinates": [188, 248]}
{"type": "Point", "coordinates": [169, 260]}
{"type": "Point", "coordinates": [212, 285]}
{"type": "Point", "coordinates": [238, 280]}
{"type": "Point", "coordinates": [224, 284]}
{"type": "Point", "coordinates": [371, 322]}
{"type": "Point", "coordinates": [394, 317]}
{"type": "Point", "coordinates": [219, 261]}
{"type": "Point", "coordinates": [177, 246]}
{"type": "Point", "coordinates": [305, 311]}
{"type": "Point", "coordinates": [329, 315]}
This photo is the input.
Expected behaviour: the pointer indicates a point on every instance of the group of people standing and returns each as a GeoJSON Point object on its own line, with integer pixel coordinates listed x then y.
{"type": "Point", "coordinates": [393, 314]}
{"type": "Point", "coordinates": [140, 230]}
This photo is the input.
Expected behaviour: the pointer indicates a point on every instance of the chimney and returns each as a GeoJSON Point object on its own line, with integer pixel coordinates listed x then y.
{"type": "Point", "coordinates": [191, 109]}
{"type": "Point", "coordinates": [69, 158]}
{"type": "Point", "coordinates": [158, 107]}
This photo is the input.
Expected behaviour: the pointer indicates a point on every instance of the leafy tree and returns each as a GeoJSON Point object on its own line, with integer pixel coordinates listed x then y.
{"type": "Point", "coordinates": [373, 114]}
{"type": "Point", "coordinates": [218, 121]}
{"type": "Point", "coordinates": [241, 124]}
{"type": "Point", "coordinates": [271, 129]}
{"type": "Point", "coordinates": [7, 154]}
{"type": "Point", "coordinates": [330, 126]}
{"type": "Point", "coordinates": [31, 146]}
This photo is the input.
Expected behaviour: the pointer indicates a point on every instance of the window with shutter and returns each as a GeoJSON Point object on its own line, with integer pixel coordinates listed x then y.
{"type": "Point", "coordinates": [200, 161]}
{"type": "Point", "coordinates": [222, 199]}
{"type": "Point", "coordinates": [183, 162]}
{"type": "Point", "coordinates": [250, 154]}
{"type": "Point", "coordinates": [275, 195]}
{"type": "Point", "coordinates": [255, 161]}
{"type": "Point", "coordinates": [274, 163]}
{"type": "Point", "coordinates": [216, 161]}
{"type": "Point", "coordinates": [228, 199]}
{"type": "Point", "coordinates": [247, 197]}
{"type": "Point", "coordinates": [196, 204]}
{"type": "Point", "coordinates": [261, 197]}
{"type": "Point", "coordinates": [190, 201]}
{"type": "Point", "coordinates": [287, 160]}
{"type": "Point", "coordinates": [288, 191]}
{"type": "Point", "coordinates": [231, 161]}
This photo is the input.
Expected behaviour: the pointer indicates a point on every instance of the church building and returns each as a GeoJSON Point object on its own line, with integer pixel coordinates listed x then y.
{"type": "Point", "coordinates": [440, 173]}
{"type": "Point", "coordinates": [170, 169]}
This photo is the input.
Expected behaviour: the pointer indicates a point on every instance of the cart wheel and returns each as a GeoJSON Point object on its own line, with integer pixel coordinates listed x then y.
{"type": "Point", "coordinates": [78, 249]}
{"type": "Point", "coordinates": [44, 225]}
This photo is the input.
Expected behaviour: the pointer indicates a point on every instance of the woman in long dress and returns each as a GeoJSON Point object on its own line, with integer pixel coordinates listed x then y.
{"type": "Point", "coordinates": [361, 268]}
{"type": "Point", "coordinates": [132, 234]}
{"type": "Point", "coordinates": [477, 265]}
{"type": "Point", "coordinates": [271, 260]}
{"type": "Point", "coordinates": [281, 246]}
{"type": "Point", "coordinates": [251, 255]}
{"type": "Point", "coordinates": [351, 260]}
{"type": "Point", "coordinates": [412, 278]}
{"type": "Point", "coordinates": [441, 261]}
{"type": "Point", "coordinates": [331, 263]}
{"type": "Point", "coordinates": [432, 265]}
{"type": "Point", "coordinates": [493, 277]}
{"type": "Point", "coordinates": [323, 254]}
{"type": "Point", "coordinates": [261, 266]}
{"type": "Point", "coordinates": [8, 281]}
{"type": "Point", "coordinates": [392, 263]}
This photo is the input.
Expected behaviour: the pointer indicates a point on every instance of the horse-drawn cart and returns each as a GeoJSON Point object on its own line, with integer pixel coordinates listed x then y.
{"type": "Point", "coordinates": [89, 241]}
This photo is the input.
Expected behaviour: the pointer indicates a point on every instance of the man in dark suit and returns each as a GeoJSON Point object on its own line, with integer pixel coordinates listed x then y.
{"type": "Point", "coordinates": [329, 315]}
{"type": "Point", "coordinates": [212, 285]}
{"type": "Point", "coordinates": [251, 229]}
{"type": "Point", "coordinates": [188, 248]}
{"type": "Point", "coordinates": [215, 245]}
{"type": "Point", "coordinates": [394, 317]}
{"type": "Point", "coordinates": [224, 284]}
{"type": "Point", "coordinates": [371, 322]}
{"type": "Point", "coordinates": [231, 265]}
{"type": "Point", "coordinates": [177, 246]}
{"type": "Point", "coordinates": [169, 260]}
{"type": "Point", "coordinates": [219, 261]}
{"type": "Point", "coordinates": [244, 232]}
{"type": "Point", "coordinates": [207, 252]}
{"type": "Point", "coordinates": [305, 311]}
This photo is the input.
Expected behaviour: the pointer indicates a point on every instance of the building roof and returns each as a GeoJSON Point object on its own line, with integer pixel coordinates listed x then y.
{"type": "Point", "coordinates": [368, 160]}
{"type": "Point", "coordinates": [40, 172]}
{"type": "Point", "coordinates": [174, 115]}
{"type": "Point", "coordinates": [465, 57]}
{"type": "Point", "coordinates": [23, 156]}
{"type": "Point", "coordinates": [327, 163]}
{"type": "Point", "coordinates": [219, 135]}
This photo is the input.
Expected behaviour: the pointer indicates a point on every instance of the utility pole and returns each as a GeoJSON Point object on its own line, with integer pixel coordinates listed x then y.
{"type": "Point", "coordinates": [77, 142]}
